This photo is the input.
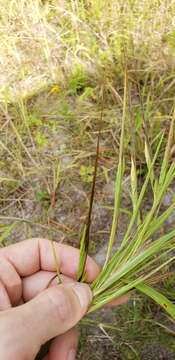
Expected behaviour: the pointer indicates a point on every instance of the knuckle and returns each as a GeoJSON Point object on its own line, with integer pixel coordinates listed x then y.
{"type": "Point", "coordinates": [10, 279]}
{"type": "Point", "coordinates": [4, 298]}
{"type": "Point", "coordinates": [16, 283]}
{"type": "Point", "coordinates": [64, 305]}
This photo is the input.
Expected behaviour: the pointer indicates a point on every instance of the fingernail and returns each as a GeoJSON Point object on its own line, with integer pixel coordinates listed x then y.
{"type": "Point", "coordinates": [84, 294]}
{"type": "Point", "coordinates": [71, 354]}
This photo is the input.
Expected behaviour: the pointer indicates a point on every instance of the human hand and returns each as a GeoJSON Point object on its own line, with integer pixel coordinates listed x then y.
{"type": "Point", "coordinates": [33, 308]}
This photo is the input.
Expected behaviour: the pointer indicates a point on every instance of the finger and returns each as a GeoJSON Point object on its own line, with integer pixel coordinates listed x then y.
{"type": "Point", "coordinates": [4, 298]}
{"type": "Point", "coordinates": [21, 302]}
{"type": "Point", "coordinates": [11, 280]}
{"type": "Point", "coordinates": [51, 313]}
{"type": "Point", "coordinates": [36, 254]}
{"type": "Point", "coordinates": [64, 347]}
{"type": "Point", "coordinates": [34, 284]}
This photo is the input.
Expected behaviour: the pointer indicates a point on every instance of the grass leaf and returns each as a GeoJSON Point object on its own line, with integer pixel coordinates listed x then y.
{"type": "Point", "coordinates": [160, 299]}
{"type": "Point", "coordinates": [118, 181]}
{"type": "Point", "coordinates": [167, 153]}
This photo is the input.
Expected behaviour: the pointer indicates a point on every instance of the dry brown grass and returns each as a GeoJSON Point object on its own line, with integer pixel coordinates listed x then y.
{"type": "Point", "coordinates": [42, 40]}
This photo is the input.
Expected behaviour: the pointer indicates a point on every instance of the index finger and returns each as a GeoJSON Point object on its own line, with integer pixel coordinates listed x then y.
{"type": "Point", "coordinates": [36, 254]}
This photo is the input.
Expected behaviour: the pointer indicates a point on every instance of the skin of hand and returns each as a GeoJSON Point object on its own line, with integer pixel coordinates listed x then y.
{"type": "Point", "coordinates": [33, 308]}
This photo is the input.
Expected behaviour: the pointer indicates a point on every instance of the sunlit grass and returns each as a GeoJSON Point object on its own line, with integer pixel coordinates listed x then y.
{"type": "Point", "coordinates": [42, 42]}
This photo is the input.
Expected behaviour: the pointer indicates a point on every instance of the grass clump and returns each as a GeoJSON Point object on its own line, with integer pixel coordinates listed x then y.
{"type": "Point", "coordinates": [143, 253]}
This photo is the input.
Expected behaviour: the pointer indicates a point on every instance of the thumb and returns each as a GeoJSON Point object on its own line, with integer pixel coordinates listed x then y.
{"type": "Point", "coordinates": [51, 313]}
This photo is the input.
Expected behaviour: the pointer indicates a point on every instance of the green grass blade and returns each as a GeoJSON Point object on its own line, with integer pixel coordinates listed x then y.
{"type": "Point", "coordinates": [82, 259]}
{"type": "Point", "coordinates": [122, 287]}
{"type": "Point", "coordinates": [148, 227]}
{"type": "Point", "coordinates": [156, 223]}
{"type": "Point", "coordinates": [134, 192]}
{"type": "Point", "coordinates": [141, 196]}
{"type": "Point", "coordinates": [160, 299]}
{"type": "Point", "coordinates": [162, 243]}
{"type": "Point", "coordinates": [148, 162]}
{"type": "Point", "coordinates": [118, 181]}
{"type": "Point", "coordinates": [7, 231]}
{"type": "Point", "coordinates": [168, 149]}
{"type": "Point", "coordinates": [139, 239]}
{"type": "Point", "coordinates": [148, 152]}
{"type": "Point", "coordinates": [115, 294]}
{"type": "Point", "coordinates": [133, 172]}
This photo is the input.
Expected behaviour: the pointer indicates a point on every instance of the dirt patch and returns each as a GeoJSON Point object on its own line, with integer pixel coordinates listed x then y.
{"type": "Point", "coordinates": [155, 351]}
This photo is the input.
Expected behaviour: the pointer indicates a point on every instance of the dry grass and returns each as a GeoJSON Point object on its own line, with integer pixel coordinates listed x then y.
{"type": "Point", "coordinates": [41, 41]}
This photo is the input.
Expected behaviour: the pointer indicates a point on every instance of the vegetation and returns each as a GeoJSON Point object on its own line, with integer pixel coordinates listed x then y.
{"type": "Point", "coordinates": [61, 62]}
{"type": "Point", "coordinates": [138, 259]}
